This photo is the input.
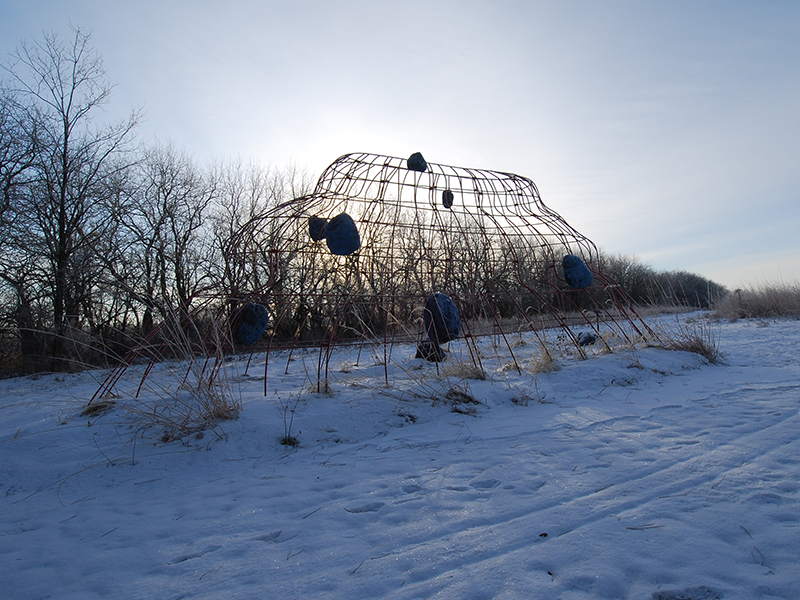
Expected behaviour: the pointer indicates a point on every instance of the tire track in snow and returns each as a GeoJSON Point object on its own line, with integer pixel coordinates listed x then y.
{"type": "Point", "coordinates": [457, 548]}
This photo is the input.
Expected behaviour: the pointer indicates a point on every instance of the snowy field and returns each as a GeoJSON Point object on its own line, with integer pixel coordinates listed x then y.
{"type": "Point", "coordinates": [641, 474]}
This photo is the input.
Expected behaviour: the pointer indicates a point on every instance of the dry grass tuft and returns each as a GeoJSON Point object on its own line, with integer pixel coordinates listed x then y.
{"type": "Point", "coordinates": [510, 366]}
{"type": "Point", "coordinates": [98, 407]}
{"type": "Point", "coordinates": [461, 400]}
{"type": "Point", "coordinates": [521, 399]}
{"type": "Point", "coordinates": [525, 399]}
{"type": "Point", "coordinates": [464, 370]}
{"type": "Point", "coordinates": [201, 401]}
{"type": "Point", "coordinates": [543, 362]}
{"type": "Point", "coordinates": [194, 392]}
{"type": "Point", "coordinates": [320, 386]}
{"type": "Point", "coordinates": [692, 335]}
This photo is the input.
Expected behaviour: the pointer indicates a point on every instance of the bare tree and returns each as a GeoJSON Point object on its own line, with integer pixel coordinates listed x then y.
{"type": "Point", "coordinates": [243, 240]}
{"type": "Point", "coordinates": [63, 208]}
{"type": "Point", "coordinates": [17, 145]}
{"type": "Point", "coordinates": [163, 262]}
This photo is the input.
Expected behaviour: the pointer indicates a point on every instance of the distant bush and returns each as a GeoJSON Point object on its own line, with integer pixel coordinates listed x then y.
{"type": "Point", "coordinates": [763, 301]}
{"type": "Point", "coordinates": [646, 286]}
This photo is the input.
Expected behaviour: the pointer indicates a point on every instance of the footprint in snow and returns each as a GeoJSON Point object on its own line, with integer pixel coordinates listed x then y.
{"type": "Point", "coordinates": [484, 484]}
{"type": "Point", "coordinates": [371, 507]}
{"type": "Point", "coordinates": [694, 593]}
{"type": "Point", "coordinates": [185, 557]}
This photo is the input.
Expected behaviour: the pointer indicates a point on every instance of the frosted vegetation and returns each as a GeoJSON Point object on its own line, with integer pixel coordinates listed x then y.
{"type": "Point", "coordinates": [103, 238]}
{"type": "Point", "coordinates": [767, 300]}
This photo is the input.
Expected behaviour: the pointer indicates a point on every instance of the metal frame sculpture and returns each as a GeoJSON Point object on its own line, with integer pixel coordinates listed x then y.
{"type": "Point", "coordinates": [388, 250]}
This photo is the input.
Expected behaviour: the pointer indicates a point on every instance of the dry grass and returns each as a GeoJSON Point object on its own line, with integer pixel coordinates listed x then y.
{"type": "Point", "coordinates": [692, 335]}
{"type": "Point", "coordinates": [543, 362]}
{"type": "Point", "coordinates": [98, 407]}
{"type": "Point", "coordinates": [197, 403]}
{"type": "Point", "coordinates": [760, 302]}
{"type": "Point", "coordinates": [463, 370]}
{"type": "Point", "coordinates": [461, 400]}
{"type": "Point", "coordinates": [320, 386]}
{"type": "Point", "coordinates": [192, 394]}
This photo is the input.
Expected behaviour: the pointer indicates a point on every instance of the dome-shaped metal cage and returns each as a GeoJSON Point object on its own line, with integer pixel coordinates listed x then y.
{"type": "Point", "coordinates": [355, 262]}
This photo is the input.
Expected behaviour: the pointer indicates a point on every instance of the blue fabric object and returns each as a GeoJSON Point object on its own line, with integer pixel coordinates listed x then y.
{"type": "Point", "coordinates": [342, 235]}
{"type": "Point", "coordinates": [586, 338]}
{"type": "Point", "coordinates": [576, 273]}
{"type": "Point", "coordinates": [316, 228]}
{"type": "Point", "coordinates": [441, 319]}
{"type": "Point", "coordinates": [417, 163]}
{"type": "Point", "coordinates": [447, 198]}
{"type": "Point", "coordinates": [255, 319]}
{"type": "Point", "coordinates": [430, 351]}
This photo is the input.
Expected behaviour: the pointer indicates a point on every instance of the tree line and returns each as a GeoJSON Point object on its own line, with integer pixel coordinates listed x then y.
{"type": "Point", "coordinates": [101, 237]}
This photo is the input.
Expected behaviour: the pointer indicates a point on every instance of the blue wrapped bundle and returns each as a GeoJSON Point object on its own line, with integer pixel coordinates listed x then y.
{"type": "Point", "coordinates": [255, 319]}
{"type": "Point", "coordinates": [576, 273]}
{"type": "Point", "coordinates": [316, 228]}
{"type": "Point", "coordinates": [430, 351]}
{"type": "Point", "coordinates": [417, 163]}
{"type": "Point", "coordinates": [441, 319]}
{"type": "Point", "coordinates": [342, 235]}
{"type": "Point", "coordinates": [586, 338]}
{"type": "Point", "coordinates": [447, 198]}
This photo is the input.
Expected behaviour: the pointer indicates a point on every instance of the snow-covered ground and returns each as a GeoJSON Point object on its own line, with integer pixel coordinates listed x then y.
{"type": "Point", "coordinates": [639, 474]}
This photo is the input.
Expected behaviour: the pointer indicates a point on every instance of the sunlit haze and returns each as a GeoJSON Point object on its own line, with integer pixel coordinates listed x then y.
{"type": "Point", "coordinates": [665, 130]}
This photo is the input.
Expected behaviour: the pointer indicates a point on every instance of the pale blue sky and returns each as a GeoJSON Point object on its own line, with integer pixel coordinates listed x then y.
{"type": "Point", "coordinates": [669, 130]}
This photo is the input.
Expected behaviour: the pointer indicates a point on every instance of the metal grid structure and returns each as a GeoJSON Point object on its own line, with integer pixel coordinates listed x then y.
{"type": "Point", "coordinates": [483, 238]}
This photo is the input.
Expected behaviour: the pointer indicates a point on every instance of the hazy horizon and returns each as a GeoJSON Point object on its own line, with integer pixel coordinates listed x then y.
{"type": "Point", "coordinates": [664, 131]}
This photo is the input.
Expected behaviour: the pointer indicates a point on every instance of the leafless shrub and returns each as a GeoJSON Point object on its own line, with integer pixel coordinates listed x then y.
{"type": "Point", "coordinates": [287, 409]}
